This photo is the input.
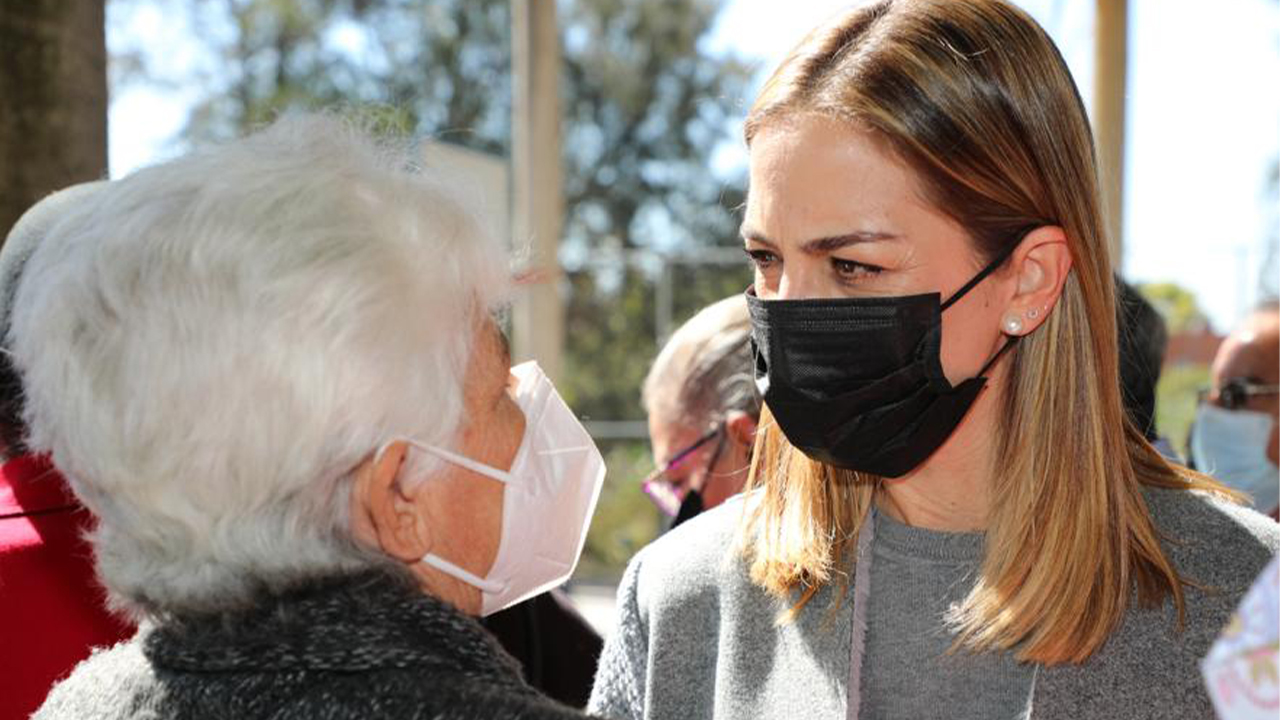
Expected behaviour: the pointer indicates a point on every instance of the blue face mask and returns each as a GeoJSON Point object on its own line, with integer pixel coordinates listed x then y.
{"type": "Point", "coordinates": [1231, 445]}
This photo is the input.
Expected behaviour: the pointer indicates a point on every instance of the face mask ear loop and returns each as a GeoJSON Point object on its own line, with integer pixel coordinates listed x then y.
{"type": "Point", "coordinates": [723, 432]}
{"type": "Point", "coordinates": [470, 578]}
{"type": "Point", "coordinates": [466, 462]}
{"type": "Point", "coordinates": [990, 268]}
{"type": "Point", "coordinates": [1008, 344]}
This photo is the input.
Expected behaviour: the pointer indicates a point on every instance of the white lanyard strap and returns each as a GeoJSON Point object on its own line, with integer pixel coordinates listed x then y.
{"type": "Point", "coordinates": [861, 596]}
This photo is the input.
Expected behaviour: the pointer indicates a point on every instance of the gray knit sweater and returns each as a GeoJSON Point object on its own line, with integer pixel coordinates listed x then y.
{"type": "Point", "coordinates": [696, 639]}
{"type": "Point", "coordinates": [359, 647]}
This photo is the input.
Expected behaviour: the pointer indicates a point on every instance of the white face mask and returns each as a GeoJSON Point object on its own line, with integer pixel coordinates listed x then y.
{"type": "Point", "coordinates": [1231, 445]}
{"type": "Point", "coordinates": [550, 495]}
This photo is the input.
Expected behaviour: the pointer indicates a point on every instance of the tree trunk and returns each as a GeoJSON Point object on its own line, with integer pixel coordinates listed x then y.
{"type": "Point", "coordinates": [53, 100]}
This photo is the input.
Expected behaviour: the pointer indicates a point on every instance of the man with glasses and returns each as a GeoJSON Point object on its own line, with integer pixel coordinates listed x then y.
{"type": "Point", "coordinates": [702, 404]}
{"type": "Point", "coordinates": [1235, 437]}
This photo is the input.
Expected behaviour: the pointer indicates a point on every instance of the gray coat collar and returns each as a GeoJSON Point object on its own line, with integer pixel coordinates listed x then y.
{"type": "Point", "coordinates": [361, 622]}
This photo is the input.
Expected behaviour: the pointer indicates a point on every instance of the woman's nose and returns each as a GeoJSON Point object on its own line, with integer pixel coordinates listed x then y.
{"type": "Point", "coordinates": [797, 284]}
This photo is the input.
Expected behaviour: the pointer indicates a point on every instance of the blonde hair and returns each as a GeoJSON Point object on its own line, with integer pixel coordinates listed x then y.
{"type": "Point", "coordinates": [704, 370]}
{"type": "Point", "coordinates": [975, 98]}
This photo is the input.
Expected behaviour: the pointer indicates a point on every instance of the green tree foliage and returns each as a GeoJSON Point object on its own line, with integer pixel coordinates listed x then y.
{"type": "Point", "coordinates": [612, 326]}
{"type": "Point", "coordinates": [1176, 400]}
{"type": "Point", "coordinates": [625, 520]}
{"type": "Point", "coordinates": [439, 68]}
{"type": "Point", "coordinates": [1177, 305]}
{"type": "Point", "coordinates": [644, 109]}
{"type": "Point", "coordinates": [1177, 390]}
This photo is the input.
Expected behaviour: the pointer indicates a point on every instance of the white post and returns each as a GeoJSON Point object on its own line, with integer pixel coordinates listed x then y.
{"type": "Point", "coordinates": [537, 203]}
{"type": "Point", "coordinates": [1111, 50]}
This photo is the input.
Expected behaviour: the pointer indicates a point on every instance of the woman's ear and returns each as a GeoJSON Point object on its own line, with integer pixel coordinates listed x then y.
{"type": "Point", "coordinates": [741, 428]}
{"type": "Point", "coordinates": [1040, 265]}
{"type": "Point", "coordinates": [384, 515]}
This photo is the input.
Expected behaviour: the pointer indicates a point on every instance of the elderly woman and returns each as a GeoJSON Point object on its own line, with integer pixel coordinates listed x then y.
{"type": "Point", "coordinates": [271, 370]}
{"type": "Point", "coordinates": [948, 515]}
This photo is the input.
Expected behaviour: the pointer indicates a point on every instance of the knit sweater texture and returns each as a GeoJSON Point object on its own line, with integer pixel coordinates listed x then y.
{"type": "Point", "coordinates": [366, 646]}
{"type": "Point", "coordinates": [695, 638]}
{"type": "Point", "coordinates": [917, 576]}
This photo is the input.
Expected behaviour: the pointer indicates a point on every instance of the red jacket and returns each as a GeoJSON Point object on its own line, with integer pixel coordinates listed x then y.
{"type": "Point", "coordinates": [51, 606]}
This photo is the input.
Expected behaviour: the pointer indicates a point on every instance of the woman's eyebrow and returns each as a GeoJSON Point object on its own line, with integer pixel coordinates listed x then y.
{"type": "Point", "coordinates": [756, 236]}
{"type": "Point", "coordinates": [825, 244]}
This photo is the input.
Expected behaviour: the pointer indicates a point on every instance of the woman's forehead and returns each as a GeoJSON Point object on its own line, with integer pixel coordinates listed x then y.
{"type": "Point", "coordinates": [817, 178]}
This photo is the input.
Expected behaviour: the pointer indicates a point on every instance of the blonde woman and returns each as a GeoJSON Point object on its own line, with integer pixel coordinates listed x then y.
{"type": "Point", "coordinates": [948, 515]}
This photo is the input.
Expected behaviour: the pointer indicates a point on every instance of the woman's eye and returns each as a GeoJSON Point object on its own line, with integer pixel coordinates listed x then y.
{"type": "Point", "coordinates": [853, 270]}
{"type": "Point", "coordinates": [762, 259]}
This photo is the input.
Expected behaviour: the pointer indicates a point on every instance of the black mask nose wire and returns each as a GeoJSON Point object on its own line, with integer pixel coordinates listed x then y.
{"type": "Point", "coordinates": [990, 268]}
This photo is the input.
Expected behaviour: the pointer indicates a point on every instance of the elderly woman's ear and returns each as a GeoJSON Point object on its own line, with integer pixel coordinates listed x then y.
{"type": "Point", "coordinates": [384, 515]}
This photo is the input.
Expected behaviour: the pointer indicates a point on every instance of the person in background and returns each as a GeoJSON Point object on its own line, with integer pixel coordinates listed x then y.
{"type": "Point", "coordinates": [52, 610]}
{"type": "Point", "coordinates": [1143, 339]}
{"type": "Point", "coordinates": [271, 371]}
{"type": "Point", "coordinates": [1236, 437]}
{"type": "Point", "coordinates": [947, 514]}
{"type": "Point", "coordinates": [556, 647]}
{"type": "Point", "coordinates": [702, 406]}
{"type": "Point", "coordinates": [1242, 669]}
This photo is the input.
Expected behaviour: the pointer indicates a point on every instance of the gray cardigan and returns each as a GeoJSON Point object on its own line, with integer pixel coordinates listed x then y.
{"type": "Point", "coordinates": [696, 639]}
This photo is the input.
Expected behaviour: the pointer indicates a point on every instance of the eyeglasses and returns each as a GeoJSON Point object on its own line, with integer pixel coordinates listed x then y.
{"type": "Point", "coordinates": [1235, 392]}
{"type": "Point", "coordinates": [665, 493]}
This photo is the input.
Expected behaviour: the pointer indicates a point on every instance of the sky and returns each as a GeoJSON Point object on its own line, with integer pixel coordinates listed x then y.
{"type": "Point", "coordinates": [1203, 122]}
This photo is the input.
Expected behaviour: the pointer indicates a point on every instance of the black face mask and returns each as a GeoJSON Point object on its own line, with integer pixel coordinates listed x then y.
{"type": "Point", "coordinates": [857, 382]}
{"type": "Point", "coordinates": [690, 508]}
{"type": "Point", "coordinates": [692, 505]}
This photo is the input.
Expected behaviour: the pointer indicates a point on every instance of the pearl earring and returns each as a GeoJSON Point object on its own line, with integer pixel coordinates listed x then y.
{"type": "Point", "coordinates": [1012, 324]}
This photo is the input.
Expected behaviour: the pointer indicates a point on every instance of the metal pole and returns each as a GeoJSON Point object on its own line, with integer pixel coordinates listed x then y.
{"type": "Point", "coordinates": [664, 301]}
{"type": "Point", "coordinates": [537, 203]}
{"type": "Point", "coordinates": [1111, 42]}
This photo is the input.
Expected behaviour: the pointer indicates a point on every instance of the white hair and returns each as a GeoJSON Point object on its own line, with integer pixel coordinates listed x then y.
{"type": "Point", "coordinates": [211, 346]}
{"type": "Point", "coordinates": [705, 370]}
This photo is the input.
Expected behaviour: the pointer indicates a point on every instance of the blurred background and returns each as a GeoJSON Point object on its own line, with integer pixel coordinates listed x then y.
{"type": "Point", "coordinates": [605, 138]}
